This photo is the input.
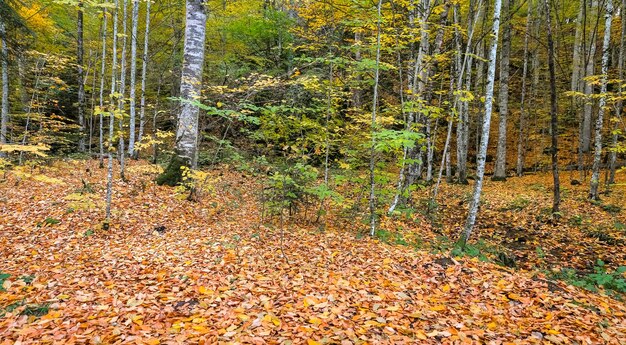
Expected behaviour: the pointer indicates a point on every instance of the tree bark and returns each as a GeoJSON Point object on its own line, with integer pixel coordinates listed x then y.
{"type": "Point", "coordinates": [372, 198]}
{"type": "Point", "coordinates": [503, 97]}
{"type": "Point", "coordinates": [102, 74]}
{"type": "Point", "coordinates": [553, 116]}
{"type": "Point", "coordinates": [133, 78]}
{"type": "Point", "coordinates": [588, 89]}
{"type": "Point", "coordinates": [109, 191]}
{"type": "Point", "coordinates": [484, 141]}
{"type": "Point", "coordinates": [597, 156]}
{"type": "Point", "coordinates": [4, 112]}
{"type": "Point", "coordinates": [81, 78]}
{"type": "Point", "coordinates": [521, 140]}
{"type": "Point", "coordinates": [190, 88]}
{"type": "Point", "coordinates": [121, 99]}
{"type": "Point", "coordinates": [618, 111]}
{"type": "Point", "coordinates": [144, 69]}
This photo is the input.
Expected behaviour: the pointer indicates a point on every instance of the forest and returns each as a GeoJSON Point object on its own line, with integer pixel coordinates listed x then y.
{"type": "Point", "coordinates": [312, 172]}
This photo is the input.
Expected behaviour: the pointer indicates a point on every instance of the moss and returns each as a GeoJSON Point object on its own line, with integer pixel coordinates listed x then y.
{"type": "Point", "coordinates": [172, 175]}
{"type": "Point", "coordinates": [498, 178]}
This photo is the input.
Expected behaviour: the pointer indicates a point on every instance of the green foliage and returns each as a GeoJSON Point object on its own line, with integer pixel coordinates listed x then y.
{"type": "Point", "coordinates": [517, 204]}
{"type": "Point", "coordinates": [611, 282]}
{"type": "Point", "coordinates": [290, 189]}
{"type": "Point", "coordinates": [51, 221]}
{"type": "Point", "coordinates": [3, 277]}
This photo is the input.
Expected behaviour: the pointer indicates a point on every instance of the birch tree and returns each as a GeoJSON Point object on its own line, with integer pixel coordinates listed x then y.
{"type": "Point", "coordinates": [521, 140]}
{"type": "Point", "coordinates": [190, 87]}
{"type": "Point", "coordinates": [109, 191]}
{"type": "Point", "coordinates": [120, 100]}
{"type": "Point", "coordinates": [372, 198]}
{"type": "Point", "coordinates": [503, 95]}
{"type": "Point", "coordinates": [81, 78]}
{"type": "Point", "coordinates": [4, 57]}
{"type": "Point", "coordinates": [144, 70]}
{"type": "Point", "coordinates": [102, 75]}
{"type": "Point", "coordinates": [133, 78]}
{"type": "Point", "coordinates": [484, 140]}
{"type": "Point", "coordinates": [597, 156]}
{"type": "Point", "coordinates": [618, 108]}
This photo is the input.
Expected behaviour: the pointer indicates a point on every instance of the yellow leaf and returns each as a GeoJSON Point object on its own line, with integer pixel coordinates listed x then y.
{"type": "Point", "coordinates": [445, 288]}
{"type": "Point", "coordinates": [243, 317]}
{"type": "Point", "coordinates": [153, 341]}
{"type": "Point", "coordinates": [309, 300]}
{"type": "Point", "coordinates": [315, 320]}
{"type": "Point", "coordinates": [312, 342]}
{"type": "Point", "coordinates": [492, 326]}
{"type": "Point", "coordinates": [438, 308]}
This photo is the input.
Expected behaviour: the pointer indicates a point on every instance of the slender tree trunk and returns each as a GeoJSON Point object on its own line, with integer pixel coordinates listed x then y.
{"type": "Point", "coordinates": [190, 88]}
{"type": "Point", "coordinates": [597, 156]}
{"type": "Point", "coordinates": [577, 76]}
{"type": "Point", "coordinates": [372, 198]}
{"type": "Point", "coordinates": [553, 116]}
{"type": "Point", "coordinates": [618, 111]}
{"type": "Point", "coordinates": [81, 78]}
{"type": "Point", "coordinates": [144, 69]}
{"type": "Point", "coordinates": [484, 141]}
{"type": "Point", "coordinates": [133, 77]}
{"type": "Point", "coordinates": [121, 100]}
{"type": "Point", "coordinates": [503, 97]}
{"type": "Point", "coordinates": [102, 75]}
{"type": "Point", "coordinates": [4, 112]}
{"type": "Point", "coordinates": [588, 89]}
{"type": "Point", "coordinates": [109, 191]}
{"type": "Point", "coordinates": [521, 140]}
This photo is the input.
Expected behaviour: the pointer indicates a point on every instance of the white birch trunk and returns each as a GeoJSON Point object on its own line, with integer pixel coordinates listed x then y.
{"type": "Point", "coordinates": [597, 156]}
{"type": "Point", "coordinates": [133, 78]}
{"type": "Point", "coordinates": [109, 191]}
{"type": "Point", "coordinates": [191, 82]}
{"type": "Point", "coordinates": [121, 99]}
{"type": "Point", "coordinates": [588, 90]}
{"type": "Point", "coordinates": [618, 111]}
{"type": "Point", "coordinates": [81, 78]}
{"type": "Point", "coordinates": [484, 141]}
{"type": "Point", "coordinates": [503, 97]}
{"type": "Point", "coordinates": [372, 198]}
{"type": "Point", "coordinates": [102, 73]}
{"type": "Point", "coordinates": [4, 59]}
{"type": "Point", "coordinates": [144, 69]}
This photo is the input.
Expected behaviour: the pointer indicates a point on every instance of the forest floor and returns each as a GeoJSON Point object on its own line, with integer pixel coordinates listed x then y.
{"type": "Point", "coordinates": [172, 271]}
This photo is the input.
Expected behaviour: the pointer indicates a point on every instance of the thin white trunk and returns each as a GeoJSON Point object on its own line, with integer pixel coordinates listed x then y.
{"type": "Point", "coordinates": [109, 191]}
{"type": "Point", "coordinates": [121, 99]}
{"type": "Point", "coordinates": [597, 156]}
{"type": "Point", "coordinates": [484, 141]}
{"type": "Point", "coordinates": [191, 82]}
{"type": "Point", "coordinates": [81, 78]}
{"type": "Point", "coordinates": [503, 97]}
{"type": "Point", "coordinates": [133, 78]}
{"type": "Point", "coordinates": [372, 198]}
{"type": "Point", "coordinates": [102, 73]}
{"type": "Point", "coordinates": [588, 89]}
{"type": "Point", "coordinates": [144, 69]}
{"type": "Point", "coordinates": [4, 57]}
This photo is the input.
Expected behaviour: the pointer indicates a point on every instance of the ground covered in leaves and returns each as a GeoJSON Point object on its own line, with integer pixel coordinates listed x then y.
{"type": "Point", "coordinates": [173, 271]}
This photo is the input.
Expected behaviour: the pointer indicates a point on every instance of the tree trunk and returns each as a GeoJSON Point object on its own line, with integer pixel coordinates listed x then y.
{"type": "Point", "coordinates": [597, 156]}
{"type": "Point", "coordinates": [4, 112]}
{"type": "Point", "coordinates": [521, 140]}
{"type": "Point", "coordinates": [484, 141]}
{"type": "Point", "coordinates": [144, 69]}
{"type": "Point", "coordinates": [133, 78]}
{"type": "Point", "coordinates": [588, 89]}
{"type": "Point", "coordinates": [503, 97]}
{"type": "Point", "coordinates": [102, 74]}
{"type": "Point", "coordinates": [109, 191]}
{"type": "Point", "coordinates": [81, 78]}
{"type": "Point", "coordinates": [372, 198]}
{"type": "Point", "coordinates": [618, 111]}
{"type": "Point", "coordinates": [122, 92]}
{"type": "Point", "coordinates": [190, 88]}
{"type": "Point", "coordinates": [553, 115]}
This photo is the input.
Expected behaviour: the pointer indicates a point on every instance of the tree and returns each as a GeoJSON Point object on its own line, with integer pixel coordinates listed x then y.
{"type": "Point", "coordinates": [81, 77]}
{"type": "Point", "coordinates": [144, 72]}
{"type": "Point", "coordinates": [521, 140]}
{"type": "Point", "coordinates": [190, 88]}
{"type": "Point", "coordinates": [484, 140]}
{"type": "Point", "coordinates": [554, 128]}
{"type": "Point", "coordinates": [4, 57]}
{"type": "Point", "coordinates": [133, 77]}
{"type": "Point", "coordinates": [113, 96]}
{"type": "Point", "coordinates": [372, 198]}
{"type": "Point", "coordinates": [503, 97]}
{"type": "Point", "coordinates": [597, 156]}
